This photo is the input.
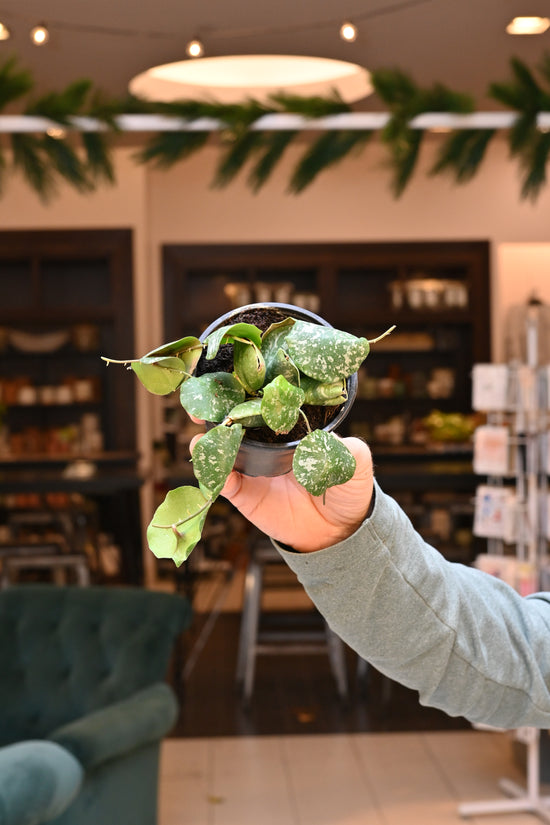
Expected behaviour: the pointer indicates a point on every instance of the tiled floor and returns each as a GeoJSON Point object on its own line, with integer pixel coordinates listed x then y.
{"type": "Point", "coordinates": [336, 779]}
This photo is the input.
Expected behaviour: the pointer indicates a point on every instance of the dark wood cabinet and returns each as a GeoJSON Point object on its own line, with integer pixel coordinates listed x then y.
{"type": "Point", "coordinates": [66, 299]}
{"type": "Point", "coordinates": [437, 295]}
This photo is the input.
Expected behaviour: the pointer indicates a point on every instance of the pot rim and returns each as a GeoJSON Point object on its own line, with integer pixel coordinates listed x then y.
{"type": "Point", "coordinates": [352, 381]}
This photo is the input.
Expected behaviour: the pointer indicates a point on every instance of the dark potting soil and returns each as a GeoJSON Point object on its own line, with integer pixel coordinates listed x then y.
{"type": "Point", "coordinates": [317, 416]}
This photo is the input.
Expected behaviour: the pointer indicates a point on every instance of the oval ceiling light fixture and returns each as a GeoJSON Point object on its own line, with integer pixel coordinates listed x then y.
{"type": "Point", "coordinates": [237, 78]}
{"type": "Point", "coordinates": [528, 25]}
{"type": "Point", "coordinates": [5, 33]}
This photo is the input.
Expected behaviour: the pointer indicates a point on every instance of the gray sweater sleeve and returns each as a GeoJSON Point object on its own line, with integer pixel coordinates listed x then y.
{"type": "Point", "coordinates": [467, 642]}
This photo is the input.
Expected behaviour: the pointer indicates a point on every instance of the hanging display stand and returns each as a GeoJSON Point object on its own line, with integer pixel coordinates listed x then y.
{"type": "Point", "coordinates": [526, 416]}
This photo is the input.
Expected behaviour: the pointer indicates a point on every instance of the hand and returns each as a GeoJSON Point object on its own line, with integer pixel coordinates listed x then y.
{"type": "Point", "coordinates": [284, 510]}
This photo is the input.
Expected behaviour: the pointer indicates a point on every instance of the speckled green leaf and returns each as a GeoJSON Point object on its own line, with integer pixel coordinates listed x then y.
{"type": "Point", "coordinates": [273, 341]}
{"type": "Point", "coordinates": [177, 524]}
{"type": "Point", "coordinates": [321, 460]}
{"type": "Point", "coordinates": [325, 353]}
{"type": "Point", "coordinates": [214, 456]}
{"type": "Point", "coordinates": [249, 365]}
{"type": "Point", "coordinates": [162, 376]}
{"type": "Point", "coordinates": [281, 404]}
{"type": "Point", "coordinates": [249, 413]}
{"type": "Point", "coordinates": [227, 334]}
{"type": "Point", "coordinates": [182, 345]}
{"type": "Point", "coordinates": [324, 394]}
{"type": "Point", "coordinates": [211, 396]}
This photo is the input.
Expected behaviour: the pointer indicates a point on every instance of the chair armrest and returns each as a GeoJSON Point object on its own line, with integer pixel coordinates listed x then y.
{"type": "Point", "coordinates": [139, 720]}
{"type": "Point", "coordinates": [38, 781]}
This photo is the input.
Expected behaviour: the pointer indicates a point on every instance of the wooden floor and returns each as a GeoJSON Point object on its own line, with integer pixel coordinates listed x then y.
{"type": "Point", "coordinates": [335, 779]}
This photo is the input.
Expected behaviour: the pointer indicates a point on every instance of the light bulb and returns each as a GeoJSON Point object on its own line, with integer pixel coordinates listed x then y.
{"type": "Point", "coordinates": [348, 32]}
{"type": "Point", "coordinates": [194, 48]}
{"type": "Point", "coordinates": [40, 35]}
{"type": "Point", "coordinates": [5, 33]}
{"type": "Point", "coordinates": [528, 25]}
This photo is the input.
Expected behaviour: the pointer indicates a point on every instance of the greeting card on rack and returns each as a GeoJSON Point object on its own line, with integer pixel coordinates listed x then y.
{"type": "Point", "coordinates": [492, 450]}
{"type": "Point", "coordinates": [490, 387]}
{"type": "Point", "coordinates": [495, 513]}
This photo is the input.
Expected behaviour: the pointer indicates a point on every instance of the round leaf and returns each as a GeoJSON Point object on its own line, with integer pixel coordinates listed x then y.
{"type": "Point", "coordinates": [281, 404]}
{"type": "Point", "coordinates": [321, 460]}
{"type": "Point", "coordinates": [176, 527]}
{"type": "Point", "coordinates": [227, 334]}
{"type": "Point", "coordinates": [212, 396]}
{"type": "Point", "coordinates": [162, 376]}
{"type": "Point", "coordinates": [249, 414]}
{"type": "Point", "coordinates": [214, 456]}
{"type": "Point", "coordinates": [325, 353]}
{"type": "Point", "coordinates": [249, 365]}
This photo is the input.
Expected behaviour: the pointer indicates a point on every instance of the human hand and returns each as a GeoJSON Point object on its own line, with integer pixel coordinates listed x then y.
{"type": "Point", "coordinates": [284, 510]}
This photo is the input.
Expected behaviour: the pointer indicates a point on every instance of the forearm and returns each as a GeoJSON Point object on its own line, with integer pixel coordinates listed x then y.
{"type": "Point", "coordinates": [467, 642]}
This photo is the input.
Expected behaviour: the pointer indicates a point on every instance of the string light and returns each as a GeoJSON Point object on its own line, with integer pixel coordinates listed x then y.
{"type": "Point", "coordinates": [5, 33]}
{"type": "Point", "coordinates": [194, 48]}
{"type": "Point", "coordinates": [348, 32]}
{"type": "Point", "coordinates": [40, 35]}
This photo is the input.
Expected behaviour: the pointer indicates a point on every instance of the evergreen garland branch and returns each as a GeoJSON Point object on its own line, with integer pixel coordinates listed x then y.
{"type": "Point", "coordinates": [405, 101]}
{"type": "Point", "coordinates": [463, 152]}
{"type": "Point", "coordinates": [42, 159]}
{"type": "Point", "coordinates": [327, 150]}
{"type": "Point", "coordinates": [14, 83]}
{"type": "Point", "coordinates": [274, 146]}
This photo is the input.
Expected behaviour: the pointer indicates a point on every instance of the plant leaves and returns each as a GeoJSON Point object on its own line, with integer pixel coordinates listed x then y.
{"type": "Point", "coordinates": [214, 456]}
{"type": "Point", "coordinates": [249, 413]}
{"type": "Point", "coordinates": [281, 404]}
{"type": "Point", "coordinates": [161, 376]}
{"type": "Point", "coordinates": [325, 353]}
{"type": "Point", "coordinates": [326, 394]}
{"type": "Point", "coordinates": [188, 350]}
{"type": "Point", "coordinates": [211, 396]}
{"type": "Point", "coordinates": [272, 341]}
{"type": "Point", "coordinates": [321, 460]}
{"type": "Point", "coordinates": [249, 365]}
{"type": "Point", "coordinates": [227, 334]}
{"type": "Point", "coordinates": [176, 526]}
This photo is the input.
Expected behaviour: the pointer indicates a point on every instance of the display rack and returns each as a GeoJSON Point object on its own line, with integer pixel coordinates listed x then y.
{"type": "Point", "coordinates": [512, 450]}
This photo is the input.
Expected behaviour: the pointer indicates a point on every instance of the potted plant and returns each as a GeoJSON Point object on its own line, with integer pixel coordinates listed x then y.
{"type": "Point", "coordinates": [272, 381]}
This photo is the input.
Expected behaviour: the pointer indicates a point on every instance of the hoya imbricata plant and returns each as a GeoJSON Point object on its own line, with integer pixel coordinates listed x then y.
{"type": "Point", "coordinates": [275, 374]}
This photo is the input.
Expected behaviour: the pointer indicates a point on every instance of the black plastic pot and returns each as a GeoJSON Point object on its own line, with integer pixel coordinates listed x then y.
{"type": "Point", "coordinates": [257, 458]}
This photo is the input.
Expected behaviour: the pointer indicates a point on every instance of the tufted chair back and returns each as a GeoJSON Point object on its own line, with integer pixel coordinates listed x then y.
{"type": "Point", "coordinates": [66, 651]}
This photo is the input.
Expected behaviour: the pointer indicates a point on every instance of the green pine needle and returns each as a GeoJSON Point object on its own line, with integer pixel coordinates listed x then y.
{"type": "Point", "coordinates": [327, 150]}
{"type": "Point", "coordinates": [28, 158]}
{"type": "Point", "coordinates": [167, 148]}
{"type": "Point", "coordinates": [66, 163]}
{"type": "Point", "coordinates": [463, 152]}
{"type": "Point", "coordinates": [14, 83]}
{"type": "Point", "coordinates": [97, 157]}
{"type": "Point", "coordinates": [275, 145]}
{"type": "Point", "coordinates": [241, 148]}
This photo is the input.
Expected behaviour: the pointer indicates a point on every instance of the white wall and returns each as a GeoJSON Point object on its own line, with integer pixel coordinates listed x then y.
{"type": "Point", "coordinates": [350, 203]}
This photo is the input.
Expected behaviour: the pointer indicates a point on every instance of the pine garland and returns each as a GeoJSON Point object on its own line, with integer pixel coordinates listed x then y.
{"type": "Point", "coordinates": [83, 159]}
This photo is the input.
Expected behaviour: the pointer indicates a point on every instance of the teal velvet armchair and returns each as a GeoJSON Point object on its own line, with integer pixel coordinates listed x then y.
{"type": "Point", "coordinates": [84, 704]}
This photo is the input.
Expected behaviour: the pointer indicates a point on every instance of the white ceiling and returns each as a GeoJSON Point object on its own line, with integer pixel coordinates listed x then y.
{"type": "Point", "coordinates": [460, 43]}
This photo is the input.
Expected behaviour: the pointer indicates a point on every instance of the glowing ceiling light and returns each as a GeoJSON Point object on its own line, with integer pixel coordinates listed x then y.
{"type": "Point", "coordinates": [235, 78]}
{"type": "Point", "coordinates": [5, 33]}
{"type": "Point", "coordinates": [528, 25]}
{"type": "Point", "coordinates": [194, 48]}
{"type": "Point", "coordinates": [40, 35]}
{"type": "Point", "coordinates": [348, 32]}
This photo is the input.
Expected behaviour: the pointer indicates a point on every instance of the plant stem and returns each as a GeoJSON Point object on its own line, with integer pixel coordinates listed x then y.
{"type": "Point", "coordinates": [387, 332]}
{"type": "Point", "coordinates": [304, 416]}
